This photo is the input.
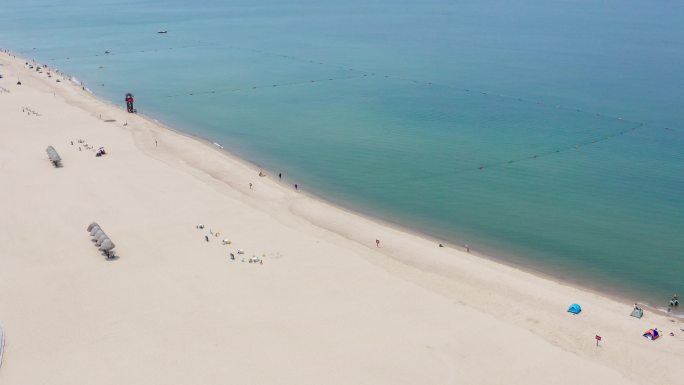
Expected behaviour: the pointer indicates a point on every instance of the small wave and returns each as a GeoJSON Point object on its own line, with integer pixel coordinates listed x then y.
{"type": "Point", "coordinates": [676, 313]}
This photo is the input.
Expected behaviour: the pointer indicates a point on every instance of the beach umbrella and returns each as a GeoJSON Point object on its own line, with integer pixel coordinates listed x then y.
{"type": "Point", "coordinates": [107, 245]}
{"type": "Point", "coordinates": [90, 226]}
{"type": "Point", "coordinates": [101, 239]}
{"type": "Point", "coordinates": [95, 230]}
{"type": "Point", "coordinates": [98, 232]}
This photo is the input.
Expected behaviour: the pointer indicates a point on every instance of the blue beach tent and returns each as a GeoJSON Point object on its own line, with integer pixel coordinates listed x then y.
{"type": "Point", "coordinates": [575, 308]}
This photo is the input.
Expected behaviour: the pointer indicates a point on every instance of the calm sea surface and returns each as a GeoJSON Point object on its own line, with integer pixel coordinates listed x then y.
{"type": "Point", "coordinates": [548, 133]}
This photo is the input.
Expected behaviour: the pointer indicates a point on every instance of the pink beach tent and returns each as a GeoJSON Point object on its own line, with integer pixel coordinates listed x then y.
{"type": "Point", "coordinates": [652, 334]}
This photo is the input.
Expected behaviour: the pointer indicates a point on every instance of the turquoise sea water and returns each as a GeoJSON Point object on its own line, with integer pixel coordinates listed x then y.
{"type": "Point", "coordinates": [547, 133]}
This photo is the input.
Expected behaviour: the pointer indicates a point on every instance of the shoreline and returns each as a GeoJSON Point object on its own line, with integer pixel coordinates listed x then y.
{"type": "Point", "coordinates": [326, 300]}
{"type": "Point", "coordinates": [530, 268]}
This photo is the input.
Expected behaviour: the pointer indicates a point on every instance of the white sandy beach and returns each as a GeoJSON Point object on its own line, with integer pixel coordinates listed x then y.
{"type": "Point", "coordinates": [325, 307]}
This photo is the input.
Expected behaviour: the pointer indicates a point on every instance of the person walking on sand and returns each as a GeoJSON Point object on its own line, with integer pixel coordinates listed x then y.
{"type": "Point", "coordinates": [250, 186]}
{"type": "Point", "coordinates": [155, 143]}
{"type": "Point", "coordinates": [296, 187]}
{"type": "Point", "coordinates": [206, 238]}
{"type": "Point", "coordinates": [467, 248]}
{"type": "Point", "coordinates": [377, 243]}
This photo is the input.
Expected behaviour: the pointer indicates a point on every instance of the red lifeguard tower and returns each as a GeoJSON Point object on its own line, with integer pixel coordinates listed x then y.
{"type": "Point", "coordinates": [129, 103]}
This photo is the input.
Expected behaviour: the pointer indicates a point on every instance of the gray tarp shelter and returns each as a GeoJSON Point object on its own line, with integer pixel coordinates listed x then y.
{"type": "Point", "coordinates": [54, 156]}
{"type": "Point", "coordinates": [637, 312]}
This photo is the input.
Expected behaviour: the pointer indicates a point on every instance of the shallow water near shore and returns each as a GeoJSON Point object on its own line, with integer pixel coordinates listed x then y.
{"type": "Point", "coordinates": [548, 134]}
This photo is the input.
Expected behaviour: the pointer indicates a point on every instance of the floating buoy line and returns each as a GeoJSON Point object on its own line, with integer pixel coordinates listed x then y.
{"type": "Point", "coordinates": [358, 73]}
{"type": "Point", "coordinates": [108, 52]}
{"type": "Point", "coordinates": [482, 167]}
{"type": "Point", "coordinates": [262, 86]}
{"type": "Point", "coordinates": [362, 73]}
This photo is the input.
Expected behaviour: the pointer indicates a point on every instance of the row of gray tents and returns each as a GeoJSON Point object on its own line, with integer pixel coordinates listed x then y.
{"type": "Point", "coordinates": [102, 240]}
{"type": "Point", "coordinates": [54, 156]}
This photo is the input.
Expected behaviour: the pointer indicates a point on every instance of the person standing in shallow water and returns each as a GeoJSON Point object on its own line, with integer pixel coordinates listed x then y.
{"type": "Point", "coordinates": [280, 175]}
{"type": "Point", "coordinates": [296, 187]}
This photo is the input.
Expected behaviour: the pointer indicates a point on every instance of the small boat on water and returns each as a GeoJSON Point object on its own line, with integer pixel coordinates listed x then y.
{"type": "Point", "coordinates": [162, 31]}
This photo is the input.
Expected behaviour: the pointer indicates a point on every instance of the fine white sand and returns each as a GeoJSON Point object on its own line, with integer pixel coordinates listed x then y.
{"type": "Point", "coordinates": [325, 307]}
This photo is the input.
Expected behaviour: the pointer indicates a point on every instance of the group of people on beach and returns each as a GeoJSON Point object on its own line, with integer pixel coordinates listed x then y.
{"type": "Point", "coordinates": [80, 142]}
{"type": "Point", "coordinates": [29, 111]}
{"type": "Point", "coordinates": [674, 302]}
{"type": "Point", "coordinates": [207, 238]}
{"type": "Point", "coordinates": [262, 174]}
